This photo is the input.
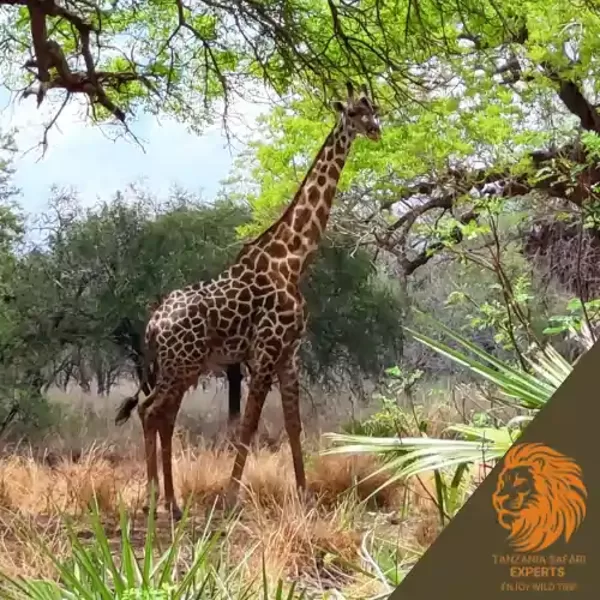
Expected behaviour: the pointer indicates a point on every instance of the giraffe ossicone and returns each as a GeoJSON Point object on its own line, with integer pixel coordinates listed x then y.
{"type": "Point", "coordinates": [252, 313]}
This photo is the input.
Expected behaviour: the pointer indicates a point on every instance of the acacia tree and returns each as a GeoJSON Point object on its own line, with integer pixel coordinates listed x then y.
{"type": "Point", "coordinates": [188, 60]}
{"type": "Point", "coordinates": [499, 132]}
{"type": "Point", "coordinates": [502, 100]}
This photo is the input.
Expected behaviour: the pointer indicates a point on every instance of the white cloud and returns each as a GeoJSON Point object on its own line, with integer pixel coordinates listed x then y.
{"type": "Point", "coordinates": [80, 155]}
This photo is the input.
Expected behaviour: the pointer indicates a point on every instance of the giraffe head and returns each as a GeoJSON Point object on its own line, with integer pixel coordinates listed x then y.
{"type": "Point", "coordinates": [360, 114]}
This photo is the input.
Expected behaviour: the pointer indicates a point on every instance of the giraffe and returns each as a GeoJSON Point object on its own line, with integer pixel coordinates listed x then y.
{"type": "Point", "coordinates": [253, 313]}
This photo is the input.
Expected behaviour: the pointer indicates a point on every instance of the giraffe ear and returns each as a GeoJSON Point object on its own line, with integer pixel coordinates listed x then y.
{"type": "Point", "coordinates": [338, 106]}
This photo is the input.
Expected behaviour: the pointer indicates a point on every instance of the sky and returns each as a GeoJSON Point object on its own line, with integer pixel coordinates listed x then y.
{"type": "Point", "coordinates": [81, 156]}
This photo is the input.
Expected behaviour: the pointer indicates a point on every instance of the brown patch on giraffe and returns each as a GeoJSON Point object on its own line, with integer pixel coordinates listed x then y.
{"type": "Point", "coordinates": [287, 318]}
{"type": "Point", "coordinates": [236, 270]}
{"type": "Point", "coordinates": [277, 249]}
{"type": "Point", "coordinates": [244, 309]}
{"type": "Point", "coordinates": [262, 280]}
{"type": "Point", "coordinates": [294, 264]}
{"type": "Point", "coordinates": [269, 301]}
{"type": "Point", "coordinates": [227, 314]}
{"type": "Point", "coordinates": [276, 277]}
{"type": "Point", "coordinates": [243, 326]}
{"type": "Point", "coordinates": [321, 180]}
{"type": "Point", "coordinates": [244, 295]}
{"type": "Point", "coordinates": [322, 213]}
{"type": "Point", "coordinates": [262, 264]}
{"type": "Point", "coordinates": [247, 277]}
{"type": "Point", "coordinates": [315, 231]}
{"type": "Point", "coordinates": [284, 270]}
{"type": "Point", "coordinates": [296, 243]}
{"type": "Point", "coordinates": [287, 235]}
{"type": "Point", "coordinates": [302, 216]}
{"type": "Point", "coordinates": [328, 194]}
{"type": "Point", "coordinates": [339, 149]}
{"type": "Point", "coordinates": [257, 292]}
{"type": "Point", "coordinates": [333, 172]}
{"type": "Point", "coordinates": [313, 198]}
{"type": "Point", "coordinates": [273, 347]}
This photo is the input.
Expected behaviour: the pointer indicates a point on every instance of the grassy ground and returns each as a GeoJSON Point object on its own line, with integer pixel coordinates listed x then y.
{"type": "Point", "coordinates": [324, 546]}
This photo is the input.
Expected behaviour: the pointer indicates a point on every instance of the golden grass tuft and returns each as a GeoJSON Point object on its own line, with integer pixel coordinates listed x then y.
{"type": "Point", "coordinates": [334, 476]}
{"type": "Point", "coordinates": [297, 542]}
{"type": "Point", "coordinates": [200, 474]}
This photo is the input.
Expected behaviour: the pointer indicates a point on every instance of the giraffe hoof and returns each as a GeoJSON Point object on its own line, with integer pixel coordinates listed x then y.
{"type": "Point", "coordinates": [228, 502]}
{"type": "Point", "coordinates": [146, 510]}
{"type": "Point", "coordinates": [307, 499]}
{"type": "Point", "coordinates": [175, 511]}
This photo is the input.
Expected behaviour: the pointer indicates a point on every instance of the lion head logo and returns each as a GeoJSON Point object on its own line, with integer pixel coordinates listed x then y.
{"type": "Point", "coordinates": [540, 496]}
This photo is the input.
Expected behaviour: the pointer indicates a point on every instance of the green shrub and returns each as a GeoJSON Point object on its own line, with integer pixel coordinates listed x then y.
{"type": "Point", "coordinates": [390, 421]}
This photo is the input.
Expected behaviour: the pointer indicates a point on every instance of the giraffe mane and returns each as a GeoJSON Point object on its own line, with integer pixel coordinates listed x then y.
{"type": "Point", "coordinates": [290, 207]}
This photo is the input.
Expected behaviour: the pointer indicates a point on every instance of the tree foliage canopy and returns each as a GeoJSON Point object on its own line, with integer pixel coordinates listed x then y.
{"type": "Point", "coordinates": [78, 304]}
{"type": "Point", "coordinates": [490, 122]}
{"type": "Point", "coordinates": [190, 60]}
{"type": "Point", "coordinates": [500, 100]}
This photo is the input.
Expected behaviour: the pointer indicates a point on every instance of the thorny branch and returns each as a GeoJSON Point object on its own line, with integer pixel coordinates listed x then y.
{"type": "Point", "coordinates": [571, 177]}
{"type": "Point", "coordinates": [50, 62]}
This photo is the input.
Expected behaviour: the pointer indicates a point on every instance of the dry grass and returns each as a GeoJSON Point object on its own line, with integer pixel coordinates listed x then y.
{"type": "Point", "coordinates": [313, 542]}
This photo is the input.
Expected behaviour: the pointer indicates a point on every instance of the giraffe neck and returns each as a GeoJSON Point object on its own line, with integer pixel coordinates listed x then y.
{"type": "Point", "coordinates": [291, 241]}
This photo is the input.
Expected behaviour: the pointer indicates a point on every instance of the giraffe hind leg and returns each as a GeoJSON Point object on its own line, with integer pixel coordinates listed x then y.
{"type": "Point", "coordinates": [165, 431]}
{"type": "Point", "coordinates": [149, 411]}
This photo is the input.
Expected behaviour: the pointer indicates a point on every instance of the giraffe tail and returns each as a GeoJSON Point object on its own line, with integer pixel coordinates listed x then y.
{"type": "Point", "coordinates": [126, 407]}
{"type": "Point", "coordinates": [147, 382]}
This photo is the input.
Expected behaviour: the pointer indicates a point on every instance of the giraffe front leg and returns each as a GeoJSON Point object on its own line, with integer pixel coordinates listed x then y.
{"type": "Point", "coordinates": [289, 383]}
{"type": "Point", "coordinates": [257, 393]}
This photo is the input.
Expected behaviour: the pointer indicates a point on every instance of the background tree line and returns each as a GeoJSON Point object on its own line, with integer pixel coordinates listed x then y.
{"type": "Point", "coordinates": [480, 203]}
{"type": "Point", "coordinates": [78, 285]}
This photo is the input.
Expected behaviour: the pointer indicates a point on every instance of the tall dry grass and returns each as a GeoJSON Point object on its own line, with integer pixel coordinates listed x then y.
{"type": "Point", "coordinates": [313, 542]}
{"type": "Point", "coordinates": [86, 457]}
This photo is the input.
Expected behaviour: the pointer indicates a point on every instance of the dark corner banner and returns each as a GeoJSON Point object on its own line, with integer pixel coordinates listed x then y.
{"type": "Point", "coordinates": [533, 525]}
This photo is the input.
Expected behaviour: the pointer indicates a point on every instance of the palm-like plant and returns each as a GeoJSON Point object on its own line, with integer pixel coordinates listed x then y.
{"type": "Point", "coordinates": [522, 390]}
{"type": "Point", "coordinates": [184, 570]}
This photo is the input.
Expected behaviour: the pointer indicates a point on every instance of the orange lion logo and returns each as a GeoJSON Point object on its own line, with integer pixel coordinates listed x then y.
{"type": "Point", "coordinates": [540, 496]}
